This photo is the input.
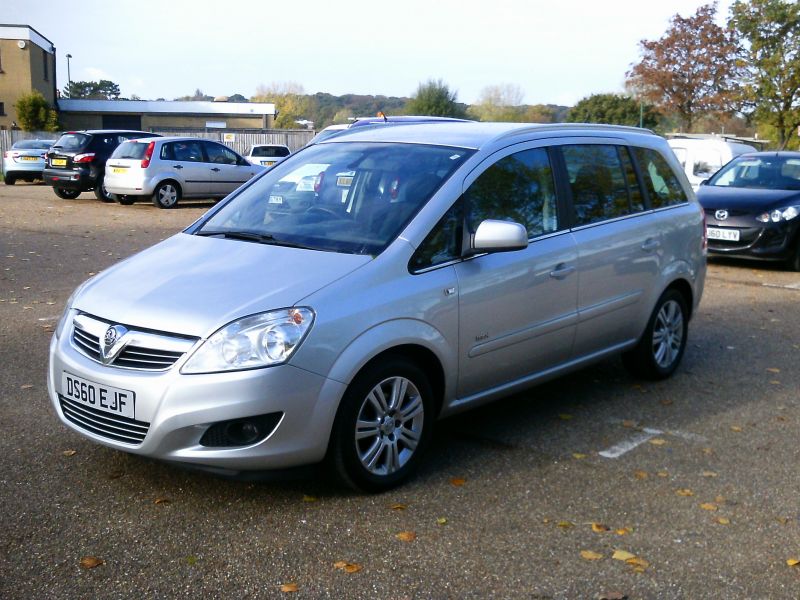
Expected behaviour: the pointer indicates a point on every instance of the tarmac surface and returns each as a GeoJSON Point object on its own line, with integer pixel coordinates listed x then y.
{"type": "Point", "coordinates": [595, 485]}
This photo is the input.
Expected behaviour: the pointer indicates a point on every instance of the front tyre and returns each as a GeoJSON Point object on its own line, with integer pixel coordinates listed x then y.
{"type": "Point", "coordinates": [9, 179]}
{"type": "Point", "coordinates": [794, 261]}
{"type": "Point", "coordinates": [383, 425]}
{"type": "Point", "coordinates": [663, 343]}
{"type": "Point", "coordinates": [166, 195]}
{"type": "Point", "coordinates": [101, 193]}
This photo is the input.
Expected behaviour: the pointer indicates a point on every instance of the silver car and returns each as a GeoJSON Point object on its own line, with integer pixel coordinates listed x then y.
{"type": "Point", "coordinates": [166, 169]}
{"type": "Point", "coordinates": [25, 160]}
{"type": "Point", "coordinates": [338, 305]}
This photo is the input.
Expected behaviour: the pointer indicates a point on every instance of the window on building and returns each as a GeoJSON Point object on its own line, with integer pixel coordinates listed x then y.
{"type": "Point", "coordinates": [44, 64]}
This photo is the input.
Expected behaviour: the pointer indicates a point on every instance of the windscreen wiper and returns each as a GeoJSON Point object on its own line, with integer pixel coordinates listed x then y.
{"type": "Point", "coordinates": [252, 236]}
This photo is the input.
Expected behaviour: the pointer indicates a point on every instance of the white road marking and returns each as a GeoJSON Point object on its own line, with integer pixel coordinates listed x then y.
{"type": "Point", "coordinates": [645, 434]}
{"type": "Point", "coordinates": [788, 286]}
{"type": "Point", "coordinates": [49, 318]}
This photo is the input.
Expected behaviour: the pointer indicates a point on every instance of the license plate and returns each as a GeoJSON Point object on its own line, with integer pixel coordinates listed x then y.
{"type": "Point", "coordinates": [267, 163]}
{"type": "Point", "coordinates": [729, 235]}
{"type": "Point", "coordinates": [59, 162]}
{"type": "Point", "coordinates": [275, 200]}
{"type": "Point", "coordinates": [29, 158]}
{"type": "Point", "coordinates": [100, 397]}
{"type": "Point", "coordinates": [344, 181]}
{"type": "Point", "coordinates": [118, 170]}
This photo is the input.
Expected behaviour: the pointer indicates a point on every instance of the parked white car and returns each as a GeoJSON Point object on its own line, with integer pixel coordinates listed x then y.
{"type": "Point", "coordinates": [170, 168]}
{"type": "Point", "coordinates": [267, 155]}
{"type": "Point", "coordinates": [701, 158]}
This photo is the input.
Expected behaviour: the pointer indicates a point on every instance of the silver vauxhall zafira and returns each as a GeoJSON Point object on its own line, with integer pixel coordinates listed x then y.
{"type": "Point", "coordinates": [333, 308]}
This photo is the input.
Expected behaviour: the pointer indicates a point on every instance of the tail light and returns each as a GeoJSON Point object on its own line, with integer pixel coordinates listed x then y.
{"type": "Point", "coordinates": [83, 158]}
{"type": "Point", "coordinates": [318, 181]}
{"type": "Point", "coordinates": [705, 231]}
{"type": "Point", "coordinates": [6, 154]}
{"type": "Point", "coordinates": [148, 155]}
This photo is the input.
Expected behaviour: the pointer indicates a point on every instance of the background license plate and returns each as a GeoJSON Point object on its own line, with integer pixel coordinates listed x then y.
{"type": "Point", "coordinates": [731, 235]}
{"type": "Point", "coordinates": [29, 158]}
{"type": "Point", "coordinates": [59, 162]}
{"type": "Point", "coordinates": [100, 397]}
{"type": "Point", "coordinates": [117, 170]}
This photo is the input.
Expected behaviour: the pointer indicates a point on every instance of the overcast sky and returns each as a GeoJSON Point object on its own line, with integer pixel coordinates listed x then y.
{"type": "Point", "coordinates": [556, 51]}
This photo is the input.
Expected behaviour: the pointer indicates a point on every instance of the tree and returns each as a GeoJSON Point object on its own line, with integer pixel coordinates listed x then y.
{"type": "Point", "coordinates": [35, 114]}
{"type": "Point", "coordinates": [615, 109]}
{"type": "Point", "coordinates": [499, 103]}
{"type": "Point", "coordinates": [435, 98]}
{"type": "Point", "coordinates": [92, 90]}
{"type": "Point", "coordinates": [291, 103]}
{"type": "Point", "coordinates": [237, 98]}
{"type": "Point", "coordinates": [198, 96]}
{"type": "Point", "coordinates": [692, 70]}
{"type": "Point", "coordinates": [771, 29]}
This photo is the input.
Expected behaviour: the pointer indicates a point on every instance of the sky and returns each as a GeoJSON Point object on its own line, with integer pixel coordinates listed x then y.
{"type": "Point", "coordinates": [555, 51]}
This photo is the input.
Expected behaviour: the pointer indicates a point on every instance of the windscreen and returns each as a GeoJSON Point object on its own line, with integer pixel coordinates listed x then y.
{"type": "Point", "coordinates": [765, 172]}
{"type": "Point", "coordinates": [72, 142]}
{"type": "Point", "coordinates": [132, 150]}
{"type": "Point", "coordinates": [342, 197]}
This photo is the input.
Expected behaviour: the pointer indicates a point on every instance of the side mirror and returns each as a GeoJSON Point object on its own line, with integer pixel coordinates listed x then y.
{"type": "Point", "coordinates": [498, 236]}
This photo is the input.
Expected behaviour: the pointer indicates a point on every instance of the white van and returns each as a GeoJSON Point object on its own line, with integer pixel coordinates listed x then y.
{"type": "Point", "coordinates": [702, 157]}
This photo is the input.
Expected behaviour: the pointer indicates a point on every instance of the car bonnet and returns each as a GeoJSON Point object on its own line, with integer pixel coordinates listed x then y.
{"type": "Point", "coordinates": [194, 285]}
{"type": "Point", "coordinates": [745, 199]}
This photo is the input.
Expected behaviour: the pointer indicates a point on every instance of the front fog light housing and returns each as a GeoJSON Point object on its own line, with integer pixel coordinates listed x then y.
{"type": "Point", "coordinates": [257, 341]}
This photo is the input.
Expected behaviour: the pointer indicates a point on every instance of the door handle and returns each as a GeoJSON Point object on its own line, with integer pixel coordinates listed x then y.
{"type": "Point", "coordinates": [177, 166]}
{"type": "Point", "coordinates": [650, 245]}
{"type": "Point", "coordinates": [561, 271]}
{"type": "Point", "coordinates": [215, 169]}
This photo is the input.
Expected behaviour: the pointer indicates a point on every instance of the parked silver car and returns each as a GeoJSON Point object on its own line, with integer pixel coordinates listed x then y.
{"type": "Point", "coordinates": [25, 160]}
{"type": "Point", "coordinates": [335, 307]}
{"type": "Point", "coordinates": [170, 168]}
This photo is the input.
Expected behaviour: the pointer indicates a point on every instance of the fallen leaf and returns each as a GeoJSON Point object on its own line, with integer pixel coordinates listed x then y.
{"type": "Point", "coordinates": [441, 521]}
{"type": "Point", "coordinates": [162, 500]}
{"type": "Point", "coordinates": [658, 441]}
{"type": "Point", "coordinates": [623, 531]}
{"type": "Point", "coordinates": [458, 481]}
{"type": "Point", "coordinates": [564, 417]}
{"type": "Point", "coordinates": [310, 498]}
{"type": "Point", "coordinates": [708, 506]}
{"type": "Point", "coordinates": [684, 492]}
{"type": "Point", "coordinates": [641, 475]}
{"type": "Point", "coordinates": [666, 402]}
{"type": "Point", "coordinates": [792, 562]}
{"type": "Point", "coordinates": [398, 506]}
{"type": "Point", "coordinates": [611, 596]}
{"type": "Point", "coordinates": [406, 536]}
{"type": "Point", "coordinates": [723, 521]}
{"type": "Point", "coordinates": [708, 451]}
{"type": "Point", "coordinates": [578, 455]}
{"type": "Point", "coordinates": [26, 386]}
{"type": "Point", "coordinates": [589, 555]}
{"type": "Point", "coordinates": [622, 555]}
{"type": "Point", "coordinates": [773, 370]}
{"type": "Point", "coordinates": [191, 560]}
{"type": "Point", "coordinates": [90, 562]}
{"type": "Point", "coordinates": [775, 382]}
{"type": "Point", "coordinates": [720, 499]}
{"type": "Point", "coordinates": [347, 567]}
{"type": "Point", "coordinates": [662, 474]}
{"type": "Point", "coordinates": [69, 452]}
{"type": "Point", "coordinates": [709, 474]}
{"type": "Point", "coordinates": [628, 423]}
{"type": "Point", "coordinates": [783, 520]}
{"type": "Point", "coordinates": [639, 564]}
{"type": "Point", "coordinates": [599, 527]}
{"type": "Point", "coordinates": [565, 524]}
{"type": "Point", "coordinates": [288, 588]}
{"type": "Point", "coordinates": [736, 428]}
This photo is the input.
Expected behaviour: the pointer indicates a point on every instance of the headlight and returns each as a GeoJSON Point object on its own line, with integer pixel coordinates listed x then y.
{"type": "Point", "coordinates": [68, 312]}
{"type": "Point", "coordinates": [257, 341]}
{"type": "Point", "coordinates": [779, 214]}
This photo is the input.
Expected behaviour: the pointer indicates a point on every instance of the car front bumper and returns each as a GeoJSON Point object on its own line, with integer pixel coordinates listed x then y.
{"type": "Point", "coordinates": [176, 410]}
{"type": "Point", "coordinates": [769, 241]}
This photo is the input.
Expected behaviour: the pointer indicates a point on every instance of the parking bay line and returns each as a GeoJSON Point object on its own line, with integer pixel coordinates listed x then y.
{"type": "Point", "coordinates": [646, 434]}
{"type": "Point", "coordinates": [788, 286]}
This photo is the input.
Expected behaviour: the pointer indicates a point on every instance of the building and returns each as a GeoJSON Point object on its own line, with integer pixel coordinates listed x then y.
{"type": "Point", "coordinates": [27, 63]}
{"type": "Point", "coordinates": [164, 115]}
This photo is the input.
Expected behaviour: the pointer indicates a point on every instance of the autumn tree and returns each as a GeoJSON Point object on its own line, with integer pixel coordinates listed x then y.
{"type": "Point", "coordinates": [614, 109]}
{"type": "Point", "coordinates": [771, 32]}
{"type": "Point", "coordinates": [198, 96]}
{"type": "Point", "coordinates": [35, 114]}
{"type": "Point", "coordinates": [692, 70]}
{"type": "Point", "coordinates": [435, 98]}
{"type": "Point", "coordinates": [92, 90]}
{"type": "Point", "coordinates": [291, 102]}
{"type": "Point", "coordinates": [498, 103]}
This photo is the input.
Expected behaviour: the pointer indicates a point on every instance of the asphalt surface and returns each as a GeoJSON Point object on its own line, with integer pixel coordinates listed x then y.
{"type": "Point", "coordinates": [695, 477]}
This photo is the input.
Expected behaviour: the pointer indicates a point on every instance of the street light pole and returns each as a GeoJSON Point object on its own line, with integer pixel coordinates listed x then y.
{"type": "Point", "coordinates": [69, 78]}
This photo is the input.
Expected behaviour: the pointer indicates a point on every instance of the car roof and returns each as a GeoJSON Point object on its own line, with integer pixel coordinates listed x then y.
{"type": "Point", "coordinates": [94, 131]}
{"type": "Point", "coordinates": [270, 146]}
{"type": "Point", "coordinates": [473, 134]}
{"type": "Point", "coordinates": [775, 153]}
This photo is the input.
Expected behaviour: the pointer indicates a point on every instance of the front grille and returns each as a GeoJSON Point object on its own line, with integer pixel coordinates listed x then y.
{"type": "Point", "coordinates": [107, 425]}
{"type": "Point", "coordinates": [143, 351]}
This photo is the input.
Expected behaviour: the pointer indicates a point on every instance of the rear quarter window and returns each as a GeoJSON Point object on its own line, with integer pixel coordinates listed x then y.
{"type": "Point", "coordinates": [661, 183]}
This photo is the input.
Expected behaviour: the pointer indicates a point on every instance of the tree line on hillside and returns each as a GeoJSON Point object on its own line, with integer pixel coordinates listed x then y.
{"type": "Point", "coordinates": [740, 78]}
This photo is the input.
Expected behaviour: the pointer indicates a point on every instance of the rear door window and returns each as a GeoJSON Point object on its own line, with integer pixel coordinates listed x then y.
{"type": "Point", "coordinates": [186, 151]}
{"type": "Point", "coordinates": [661, 184]}
{"type": "Point", "coordinates": [72, 142]}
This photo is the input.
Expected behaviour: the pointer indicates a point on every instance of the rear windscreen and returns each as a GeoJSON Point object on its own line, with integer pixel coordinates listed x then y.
{"type": "Point", "coordinates": [33, 145]}
{"type": "Point", "coordinates": [134, 150]}
{"type": "Point", "coordinates": [72, 141]}
{"type": "Point", "coordinates": [270, 151]}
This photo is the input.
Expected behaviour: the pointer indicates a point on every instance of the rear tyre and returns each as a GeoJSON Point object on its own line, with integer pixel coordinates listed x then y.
{"type": "Point", "coordinates": [166, 195]}
{"type": "Point", "coordinates": [794, 262]}
{"type": "Point", "coordinates": [125, 200]}
{"type": "Point", "coordinates": [103, 194]}
{"type": "Point", "coordinates": [661, 348]}
{"type": "Point", "coordinates": [9, 180]}
{"type": "Point", "coordinates": [66, 194]}
{"type": "Point", "coordinates": [383, 426]}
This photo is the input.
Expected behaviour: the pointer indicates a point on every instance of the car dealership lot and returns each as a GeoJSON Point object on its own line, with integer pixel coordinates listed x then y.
{"type": "Point", "coordinates": [694, 476]}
